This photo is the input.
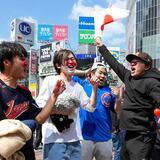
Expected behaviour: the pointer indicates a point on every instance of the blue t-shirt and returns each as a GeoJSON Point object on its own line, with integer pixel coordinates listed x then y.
{"type": "Point", "coordinates": [97, 125]}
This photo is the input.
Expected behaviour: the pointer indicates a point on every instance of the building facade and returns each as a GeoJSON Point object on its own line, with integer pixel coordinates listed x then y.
{"type": "Point", "coordinates": [143, 28]}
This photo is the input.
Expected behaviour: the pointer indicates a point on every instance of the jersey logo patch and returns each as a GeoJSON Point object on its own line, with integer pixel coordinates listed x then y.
{"type": "Point", "coordinates": [15, 111]}
{"type": "Point", "coordinates": [106, 99]}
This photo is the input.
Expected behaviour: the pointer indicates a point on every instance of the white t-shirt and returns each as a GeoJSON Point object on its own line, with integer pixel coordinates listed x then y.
{"type": "Point", "coordinates": [50, 133]}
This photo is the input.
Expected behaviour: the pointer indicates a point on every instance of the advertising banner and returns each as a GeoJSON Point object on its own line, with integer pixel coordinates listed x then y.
{"type": "Point", "coordinates": [45, 53]}
{"type": "Point", "coordinates": [46, 68]}
{"type": "Point", "coordinates": [85, 56]}
{"type": "Point", "coordinates": [22, 31]}
{"type": "Point", "coordinates": [45, 33]}
{"type": "Point", "coordinates": [60, 32]}
{"type": "Point", "coordinates": [86, 23]}
{"type": "Point", "coordinates": [86, 36]}
{"type": "Point", "coordinates": [33, 89]}
{"type": "Point", "coordinates": [115, 51]}
{"type": "Point", "coordinates": [33, 62]}
{"type": "Point", "coordinates": [115, 54]}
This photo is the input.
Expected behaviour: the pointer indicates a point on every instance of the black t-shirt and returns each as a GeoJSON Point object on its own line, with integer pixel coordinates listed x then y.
{"type": "Point", "coordinates": [17, 103]}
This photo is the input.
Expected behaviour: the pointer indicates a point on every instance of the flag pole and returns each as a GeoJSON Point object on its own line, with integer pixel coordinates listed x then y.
{"type": "Point", "coordinates": [96, 60]}
{"type": "Point", "coordinates": [98, 56]}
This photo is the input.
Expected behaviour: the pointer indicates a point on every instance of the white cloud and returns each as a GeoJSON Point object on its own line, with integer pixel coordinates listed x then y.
{"type": "Point", "coordinates": [114, 33]}
{"type": "Point", "coordinates": [28, 19]}
{"type": "Point", "coordinates": [119, 3]}
{"type": "Point", "coordinates": [80, 10]}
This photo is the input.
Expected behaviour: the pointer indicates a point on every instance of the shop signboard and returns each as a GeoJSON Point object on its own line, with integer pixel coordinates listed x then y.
{"type": "Point", "coordinates": [45, 33]}
{"type": "Point", "coordinates": [86, 23]}
{"type": "Point", "coordinates": [45, 53]}
{"type": "Point", "coordinates": [22, 31]}
{"type": "Point", "coordinates": [86, 36]}
{"type": "Point", "coordinates": [60, 32]}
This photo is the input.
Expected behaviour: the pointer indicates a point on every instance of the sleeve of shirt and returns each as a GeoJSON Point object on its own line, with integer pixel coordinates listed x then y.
{"type": "Point", "coordinates": [113, 101]}
{"type": "Point", "coordinates": [84, 100]}
{"type": "Point", "coordinates": [77, 79]}
{"type": "Point", "coordinates": [154, 91]}
{"type": "Point", "coordinates": [34, 109]}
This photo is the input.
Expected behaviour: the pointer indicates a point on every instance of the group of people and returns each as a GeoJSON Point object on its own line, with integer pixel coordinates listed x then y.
{"type": "Point", "coordinates": [76, 113]}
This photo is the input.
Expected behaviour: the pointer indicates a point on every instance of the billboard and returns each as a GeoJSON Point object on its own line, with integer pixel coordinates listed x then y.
{"type": "Point", "coordinates": [115, 51]}
{"type": "Point", "coordinates": [86, 30]}
{"type": "Point", "coordinates": [85, 56]}
{"type": "Point", "coordinates": [45, 33]}
{"type": "Point", "coordinates": [45, 53]}
{"type": "Point", "coordinates": [22, 31]}
{"type": "Point", "coordinates": [33, 87]}
{"type": "Point", "coordinates": [46, 68]}
{"type": "Point", "coordinates": [33, 62]}
{"type": "Point", "coordinates": [60, 32]}
{"type": "Point", "coordinates": [86, 23]}
{"type": "Point", "coordinates": [57, 45]}
{"type": "Point", "coordinates": [86, 36]}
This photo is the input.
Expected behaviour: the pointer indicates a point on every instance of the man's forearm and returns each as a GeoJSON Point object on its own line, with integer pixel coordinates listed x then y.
{"type": "Point", "coordinates": [117, 67]}
{"type": "Point", "coordinates": [80, 73]}
{"type": "Point", "coordinates": [107, 56]}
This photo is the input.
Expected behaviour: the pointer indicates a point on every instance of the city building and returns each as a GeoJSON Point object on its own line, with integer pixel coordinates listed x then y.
{"type": "Point", "coordinates": [143, 28]}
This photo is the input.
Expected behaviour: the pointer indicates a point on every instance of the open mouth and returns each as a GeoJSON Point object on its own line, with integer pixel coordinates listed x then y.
{"type": "Point", "coordinates": [101, 81]}
{"type": "Point", "coordinates": [132, 69]}
{"type": "Point", "coordinates": [24, 71]}
{"type": "Point", "coordinates": [71, 68]}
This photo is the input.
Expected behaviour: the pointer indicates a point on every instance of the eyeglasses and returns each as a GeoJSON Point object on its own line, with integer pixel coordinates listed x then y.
{"type": "Point", "coordinates": [135, 62]}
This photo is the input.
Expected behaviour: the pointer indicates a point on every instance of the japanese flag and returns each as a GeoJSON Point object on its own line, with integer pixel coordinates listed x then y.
{"type": "Point", "coordinates": [106, 16]}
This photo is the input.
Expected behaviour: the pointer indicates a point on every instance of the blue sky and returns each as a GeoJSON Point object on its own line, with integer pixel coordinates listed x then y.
{"type": "Point", "coordinates": [61, 12]}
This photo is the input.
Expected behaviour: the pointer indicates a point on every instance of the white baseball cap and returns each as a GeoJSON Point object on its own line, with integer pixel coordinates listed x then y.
{"type": "Point", "coordinates": [97, 65]}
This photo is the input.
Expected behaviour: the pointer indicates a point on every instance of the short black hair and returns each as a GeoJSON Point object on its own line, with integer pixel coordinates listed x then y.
{"type": "Point", "coordinates": [8, 50]}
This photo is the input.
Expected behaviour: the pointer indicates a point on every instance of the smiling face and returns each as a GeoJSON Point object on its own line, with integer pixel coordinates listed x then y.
{"type": "Point", "coordinates": [101, 74]}
{"type": "Point", "coordinates": [69, 64]}
{"type": "Point", "coordinates": [65, 62]}
{"type": "Point", "coordinates": [138, 67]}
